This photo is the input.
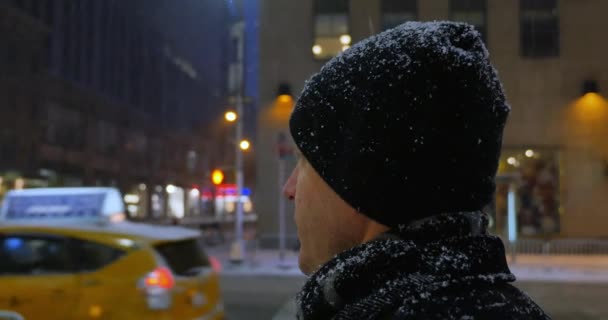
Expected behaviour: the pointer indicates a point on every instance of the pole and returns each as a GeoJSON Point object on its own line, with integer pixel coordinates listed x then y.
{"type": "Point", "coordinates": [238, 249]}
{"type": "Point", "coordinates": [512, 220]}
{"type": "Point", "coordinates": [281, 213]}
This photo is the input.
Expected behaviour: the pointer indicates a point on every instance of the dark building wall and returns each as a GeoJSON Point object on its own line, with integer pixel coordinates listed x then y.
{"type": "Point", "coordinates": [94, 92]}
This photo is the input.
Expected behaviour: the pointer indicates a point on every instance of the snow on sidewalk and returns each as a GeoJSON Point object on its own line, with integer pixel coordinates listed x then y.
{"type": "Point", "coordinates": [556, 268]}
{"type": "Point", "coordinates": [259, 263]}
{"type": "Point", "coordinates": [550, 268]}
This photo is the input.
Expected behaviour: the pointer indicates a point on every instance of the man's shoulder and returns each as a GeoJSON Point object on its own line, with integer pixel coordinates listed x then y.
{"type": "Point", "coordinates": [482, 301]}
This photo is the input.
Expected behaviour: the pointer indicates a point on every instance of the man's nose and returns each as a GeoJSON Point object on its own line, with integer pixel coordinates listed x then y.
{"type": "Point", "coordinates": [289, 189]}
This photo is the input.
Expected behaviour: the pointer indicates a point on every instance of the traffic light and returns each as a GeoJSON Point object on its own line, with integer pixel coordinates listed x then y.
{"type": "Point", "coordinates": [217, 177]}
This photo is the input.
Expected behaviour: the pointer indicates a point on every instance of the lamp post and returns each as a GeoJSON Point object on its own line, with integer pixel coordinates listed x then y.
{"type": "Point", "coordinates": [237, 250]}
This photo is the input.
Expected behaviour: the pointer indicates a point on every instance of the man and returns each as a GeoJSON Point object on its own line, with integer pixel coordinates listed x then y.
{"type": "Point", "coordinates": [400, 138]}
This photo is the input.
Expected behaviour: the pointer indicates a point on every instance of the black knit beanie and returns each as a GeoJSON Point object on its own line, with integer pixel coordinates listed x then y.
{"type": "Point", "coordinates": [407, 123]}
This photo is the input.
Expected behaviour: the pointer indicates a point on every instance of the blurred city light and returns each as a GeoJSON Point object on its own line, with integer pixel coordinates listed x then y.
{"type": "Point", "coordinates": [131, 198]}
{"type": "Point", "coordinates": [344, 48]}
{"type": "Point", "coordinates": [230, 116]}
{"type": "Point", "coordinates": [317, 50]}
{"type": "Point", "coordinates": [142, 187]}
{"type": "Point", "coordinates": [529, 153]}
{"type": "Point", "coordinates": [285, 98]}
{"type": "Point", "coordinates": [217, 177]}
{"type": "Point", "coordinates": [194, 192]}
{"type": "Point", "coordinates": [345, 39]}
{"type": "Point", "coordinates": [170, 189]}
{"type": "Point", "coordinates": [244, 145]}
{"type": "Point", "coordinates": [512, 161]}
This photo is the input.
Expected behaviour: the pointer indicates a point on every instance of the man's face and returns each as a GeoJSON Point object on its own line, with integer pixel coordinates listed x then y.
{"type": "Point", "coordinates": [326, 224]}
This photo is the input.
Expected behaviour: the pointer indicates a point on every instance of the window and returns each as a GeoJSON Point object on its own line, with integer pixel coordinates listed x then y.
{"type": "Point", "coordinates": [396, 12]}
{"type": "Point", "coordinates": [64, 126]}
{"type": "Point", "coordinates": [34, 255]}
{"type": "Point", "coordinates": [107, 138]}
{"type": "Point", "coordinates": [66, 29]}
{"type": "Point", "coordinates": [185, 257]}
{"type": "Point", "coordinates": [539, 28]}
{"type": "Point", "coordinates": [93, 256]}
{"type": "Point", "coordinates": [536, 192]}
{"type": "Point", "coordinates": [331, 31]}
{"type": "Point", "coordinates": [472, 12]}
{"type": "Point", "coordinates": [49, 12]}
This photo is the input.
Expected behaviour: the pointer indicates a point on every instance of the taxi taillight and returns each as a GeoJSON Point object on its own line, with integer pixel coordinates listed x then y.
{"type": "Point", "coordinates": [161, 277]}
{"type": "Point", "coordinates": [215, 264]}
{"type": "Point", "coordinates": [157, 286]}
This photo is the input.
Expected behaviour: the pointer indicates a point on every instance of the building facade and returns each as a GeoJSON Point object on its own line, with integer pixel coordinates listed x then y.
{"type": "Point", "coordinates": [94, 93]}
{"type": "Point", "coordinates": [552, 63]}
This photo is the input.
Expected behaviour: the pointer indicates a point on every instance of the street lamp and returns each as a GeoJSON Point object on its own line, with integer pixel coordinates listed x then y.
{"type": "Point", "coordinates": [230, 116]}
{"type": "Point", "coordinates": [244, 145]}
{"type": "Point", "coordinates": [284, 94]}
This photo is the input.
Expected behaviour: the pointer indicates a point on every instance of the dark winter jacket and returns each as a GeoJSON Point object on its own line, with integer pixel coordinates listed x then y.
{"type": "Point", "coordinates": [444, 267]}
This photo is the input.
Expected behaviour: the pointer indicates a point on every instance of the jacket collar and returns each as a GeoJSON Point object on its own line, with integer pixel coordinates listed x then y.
{"type": "Point", "coordinates": [446, 247]}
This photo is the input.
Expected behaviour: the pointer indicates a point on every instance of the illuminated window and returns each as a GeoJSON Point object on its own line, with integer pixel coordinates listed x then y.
{"type": "Point", "coordinates": [396, 12]}
{"type": "Point", "coordinates": [537, 192]}
{"type": "Point", "coordinates": [539, 28]}
{"type": "Point", "coordinates": [470, 11]}
{"type": "Point", "coordinates": [331, 30]}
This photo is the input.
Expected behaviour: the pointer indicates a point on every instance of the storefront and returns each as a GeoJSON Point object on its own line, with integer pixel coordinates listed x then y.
{"type": "Point", "coordinates": [11, 180]}
{"type": "Point", "coordinates": [137, 201]}
{"type": "Point", "coordinates": [221, 201]}
{"type": "Point", "coordinates": [532, 175]}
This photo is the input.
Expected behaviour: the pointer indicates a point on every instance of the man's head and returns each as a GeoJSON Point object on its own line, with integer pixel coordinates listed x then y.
{"type": "Point", "coordinates": [403, 125]}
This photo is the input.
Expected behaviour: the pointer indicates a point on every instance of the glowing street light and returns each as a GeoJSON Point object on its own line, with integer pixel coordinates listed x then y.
{"type": "Point", "coordinates": [317, 50]}
{"type": "Point", "coordinates": [230, 116]}
{"type": "Point", "coordinates": [529, 153]}
{"type": "Point", "coordinates": [244, 145]}
{"type": "Point", "coordinates": [217, 177]}
{"type": "Point", "coordinates": [284, 94]}
{"type": "Point", "coordinates": [345, 39]}
{"type": "Point", "coordinates": [285, 98]}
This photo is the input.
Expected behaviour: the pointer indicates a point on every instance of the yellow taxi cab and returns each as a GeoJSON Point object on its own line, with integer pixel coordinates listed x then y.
{"type": "Point", "coordinates": [68, 253]}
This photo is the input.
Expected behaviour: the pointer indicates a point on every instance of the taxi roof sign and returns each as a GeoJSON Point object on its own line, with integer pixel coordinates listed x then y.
{"type": "Point", "coordinates": [62, 205]}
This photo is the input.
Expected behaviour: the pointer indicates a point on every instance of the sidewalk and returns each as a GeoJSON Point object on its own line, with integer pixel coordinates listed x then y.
{"type": "Point", "coordinates": [555, 268]}
{"type": "Point", "coordinates": [546, 268]}
{"type": "Point", "coordinates": [258, 263]}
